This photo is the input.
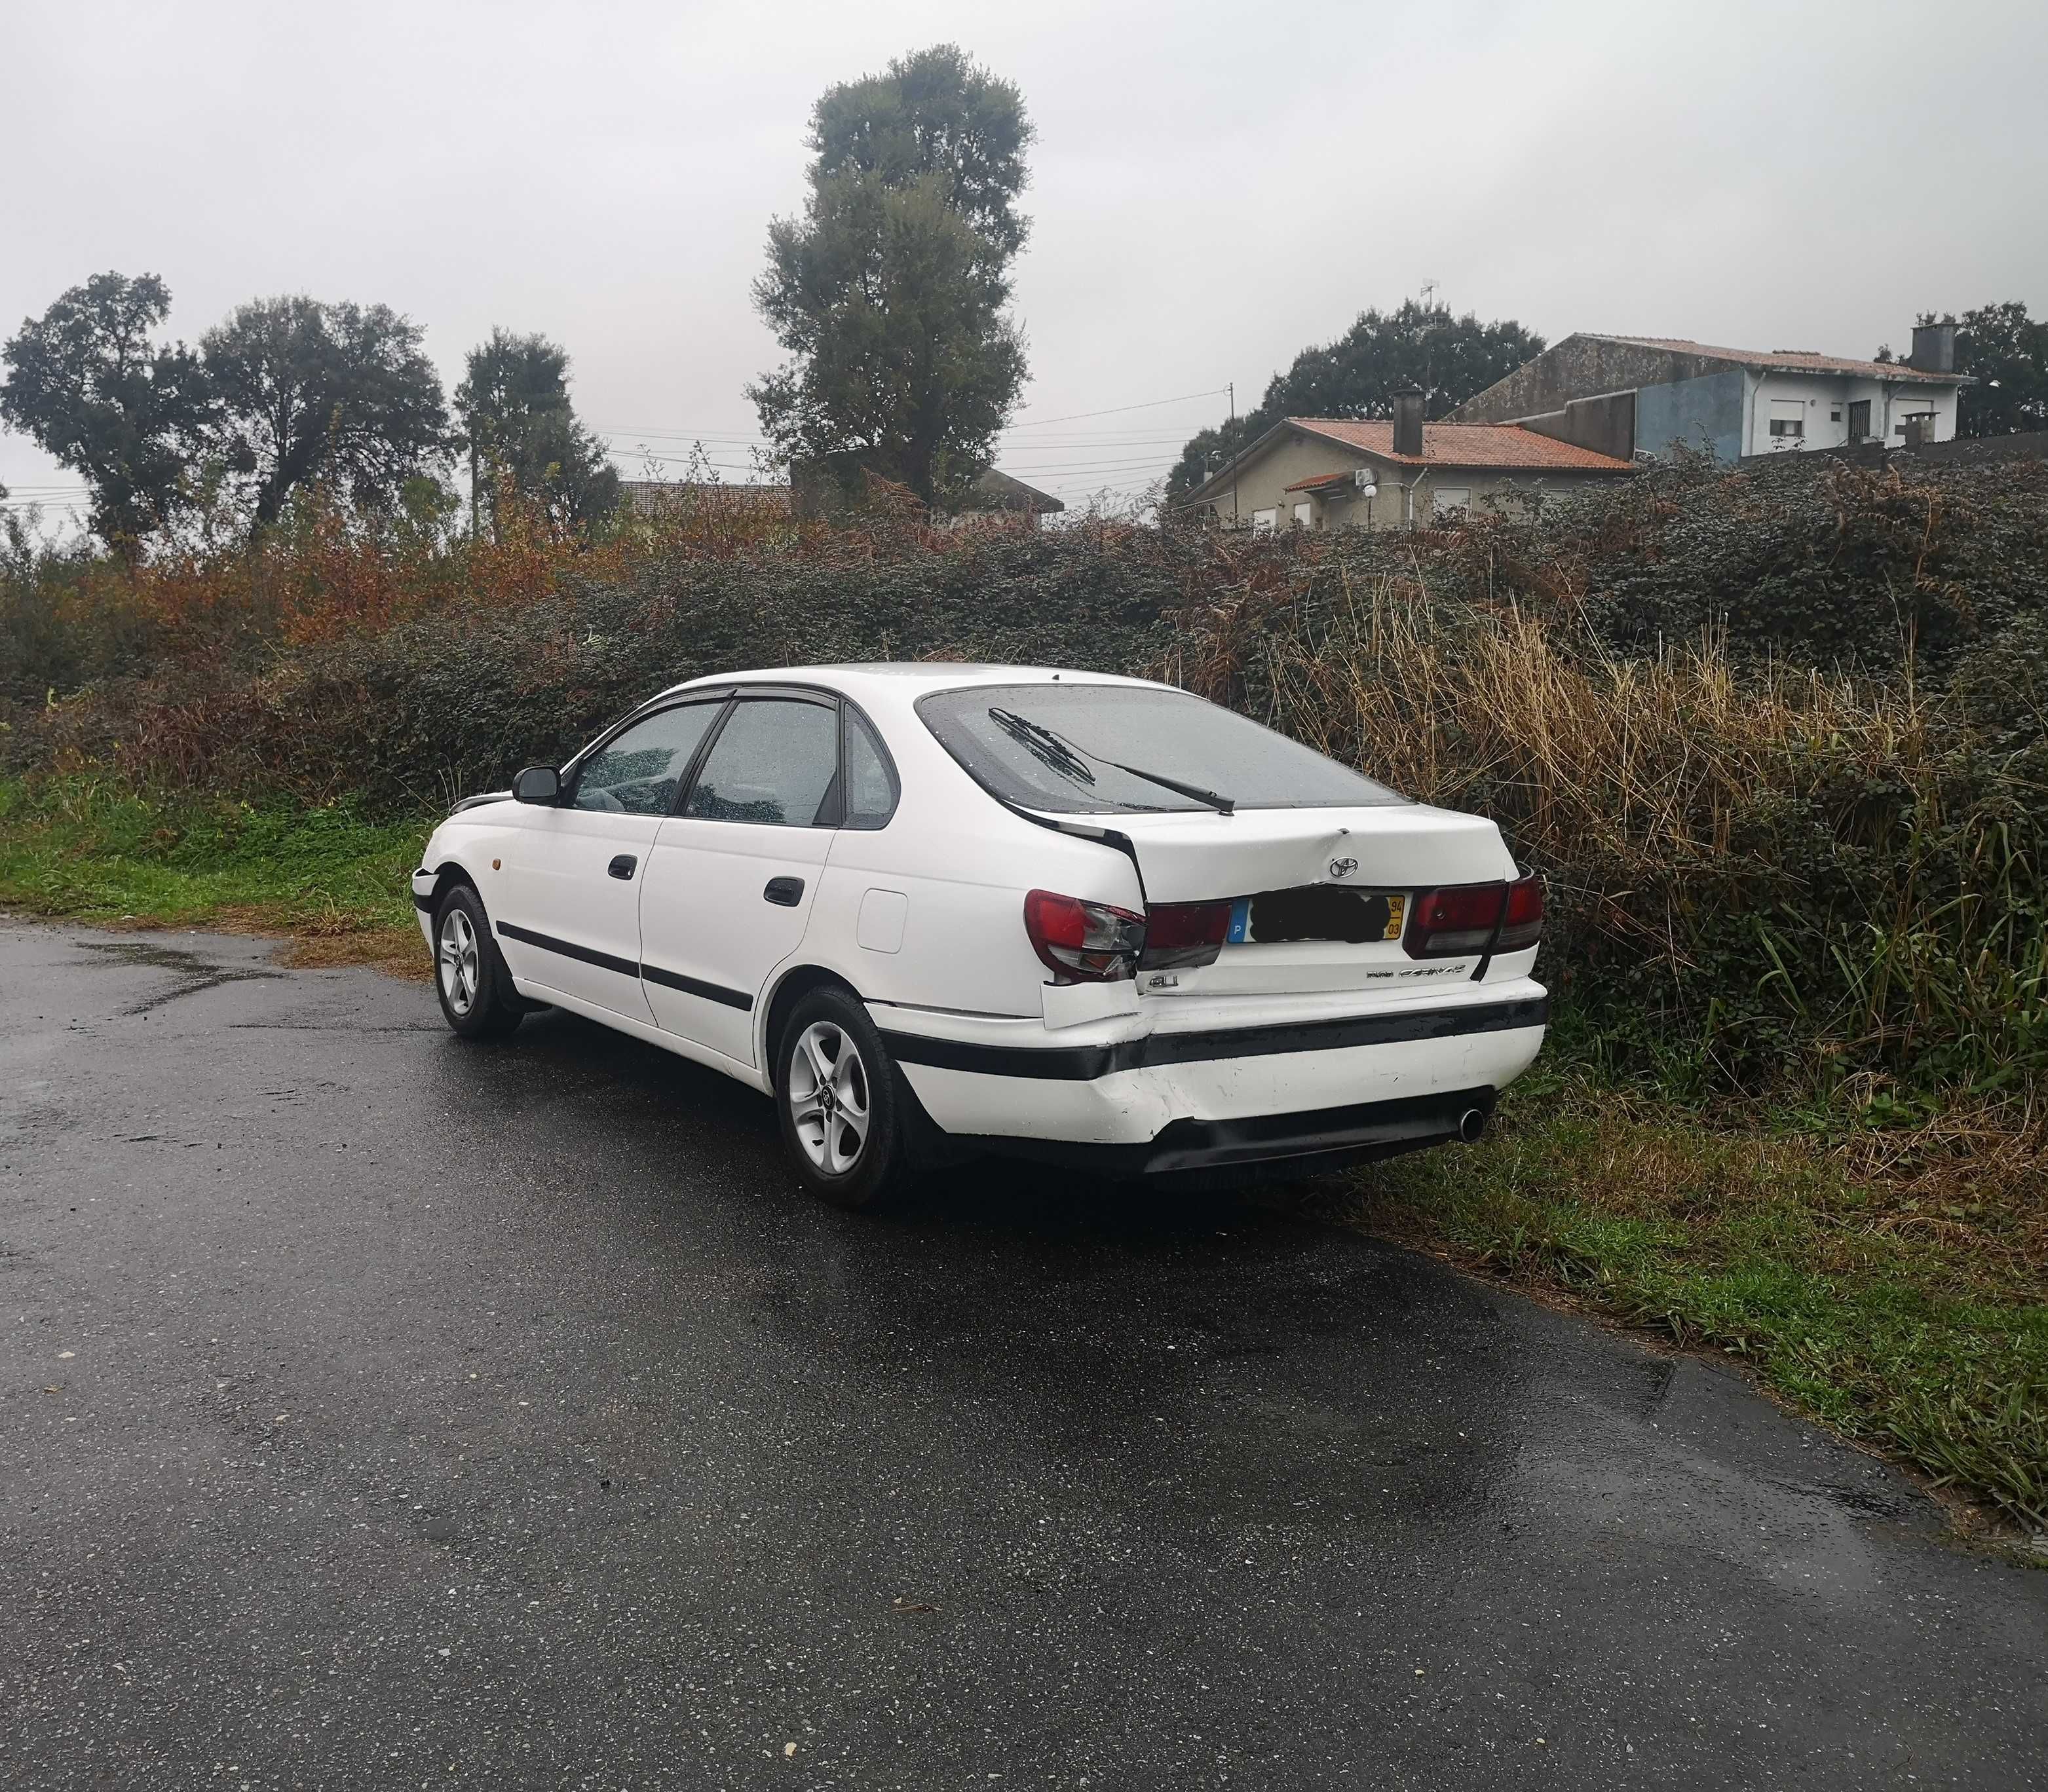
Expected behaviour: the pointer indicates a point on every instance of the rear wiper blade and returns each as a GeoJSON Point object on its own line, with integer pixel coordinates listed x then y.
{"type": "Point", "coordinates": [1011, 723]}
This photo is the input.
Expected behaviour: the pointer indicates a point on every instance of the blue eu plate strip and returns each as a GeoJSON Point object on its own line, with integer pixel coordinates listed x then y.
{"type": "Point", "coordinates": [1240, 919]}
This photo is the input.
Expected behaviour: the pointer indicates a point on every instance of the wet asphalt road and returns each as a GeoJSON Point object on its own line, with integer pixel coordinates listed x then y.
{"type": "Point", "coordinates": [377, 1411]}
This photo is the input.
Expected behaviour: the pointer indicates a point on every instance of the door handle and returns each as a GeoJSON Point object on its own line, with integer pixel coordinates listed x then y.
{"type": "Point", "coordinates": [785, 893]}
{"type": "Point", "coordinates": [622, 866]}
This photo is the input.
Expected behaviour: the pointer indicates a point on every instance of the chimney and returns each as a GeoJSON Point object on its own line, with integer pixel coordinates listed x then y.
{"type": "Point", "coordinates": [1408, 420]}
{"type": "Point", "coordinates": [1933, 348]}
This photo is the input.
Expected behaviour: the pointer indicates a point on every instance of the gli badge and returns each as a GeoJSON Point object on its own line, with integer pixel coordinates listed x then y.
{"type": "Point", "coordinates": [1343, 868]}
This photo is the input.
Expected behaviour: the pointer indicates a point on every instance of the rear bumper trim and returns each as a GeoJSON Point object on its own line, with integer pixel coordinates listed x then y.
{"type": "Point", "coordinates": [1083, 1063]}
{"type": "Point", "coordinates": [1198, 1151]}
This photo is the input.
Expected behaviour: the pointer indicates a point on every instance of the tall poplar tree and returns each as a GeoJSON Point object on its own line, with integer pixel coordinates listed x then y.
{"type": "Point", "coordinates": [889, 293]}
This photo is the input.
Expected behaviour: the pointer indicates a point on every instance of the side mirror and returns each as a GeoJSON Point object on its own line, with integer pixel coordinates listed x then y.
{"type": "Point", "coordinates": [538, 783]}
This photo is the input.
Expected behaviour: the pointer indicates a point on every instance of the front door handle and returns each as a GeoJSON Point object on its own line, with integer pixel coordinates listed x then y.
{"type": "Point", "coordinates": [622, 866]}
{"type": "Point", "coordinates": [785, 893]}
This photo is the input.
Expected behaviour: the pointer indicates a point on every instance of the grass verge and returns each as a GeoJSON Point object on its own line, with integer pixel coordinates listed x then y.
{"type": "Point", "coordinates": [1900, 1295]}
{"type": "Point", "coordinates": [330, 881]}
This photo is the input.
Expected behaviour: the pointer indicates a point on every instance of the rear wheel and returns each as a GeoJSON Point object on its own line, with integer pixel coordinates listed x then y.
{"type": "Point", "coordinates": [844, 1116]}
{"type": "Point", "coordinates": [478, 1000]}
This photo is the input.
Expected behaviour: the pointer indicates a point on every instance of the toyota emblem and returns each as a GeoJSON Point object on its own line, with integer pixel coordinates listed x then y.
{"type": "Point", "coordinates": [1343, 868]}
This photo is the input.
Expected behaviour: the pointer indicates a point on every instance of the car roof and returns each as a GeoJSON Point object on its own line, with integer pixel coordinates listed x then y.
{"type": "Point", "coordinates": [904, 680]}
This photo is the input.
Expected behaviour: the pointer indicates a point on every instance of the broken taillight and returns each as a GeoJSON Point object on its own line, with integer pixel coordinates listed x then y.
{"type": "Point", "coordinates": [1082, 942]}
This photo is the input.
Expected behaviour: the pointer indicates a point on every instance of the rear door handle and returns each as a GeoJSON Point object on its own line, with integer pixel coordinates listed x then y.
{"type": "Point", "coordinates": [622, 866]}
{"type": "Point", "coordinates": [785, 892]}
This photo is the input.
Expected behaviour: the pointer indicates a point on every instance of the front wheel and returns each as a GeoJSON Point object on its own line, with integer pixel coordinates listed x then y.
{"type": "Point", "coordinates": [477, 997]}
{"type": "Point", "coordinates": [841, 1103]}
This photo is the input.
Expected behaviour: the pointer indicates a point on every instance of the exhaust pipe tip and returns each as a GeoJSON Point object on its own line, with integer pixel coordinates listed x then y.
{"type": "Point", "coordinates": [1472, 1123]}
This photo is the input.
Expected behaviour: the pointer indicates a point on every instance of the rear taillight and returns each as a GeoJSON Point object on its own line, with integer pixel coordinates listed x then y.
{"type": "Point", "coordinates": [1523, 925]}
{"type": "Point", "coordinates": [1445, 923]}
{"type": "Point", "coordinates": [1179, 934]}
{"type": "Point", "coordinates": [1082, 942]}
{"type": "Point", "coordinates": [1470, 918]}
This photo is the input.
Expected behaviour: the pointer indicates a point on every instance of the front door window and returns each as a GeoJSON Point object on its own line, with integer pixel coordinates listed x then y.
{"type": "Point", "coordinates": [639, 772]}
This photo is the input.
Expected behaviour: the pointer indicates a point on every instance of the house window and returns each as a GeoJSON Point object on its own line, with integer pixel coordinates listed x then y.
{"type": "Point", "coordinates": [1264, 522]}
{"type": "Point", "coordinates": [1452, 497]}
{"type": "Point", "coordinates": [1301, 515]}
{"type": "Point", "coordinates": [1788, 419]}
{"type": "Point", "coordinates": [1835, 414]}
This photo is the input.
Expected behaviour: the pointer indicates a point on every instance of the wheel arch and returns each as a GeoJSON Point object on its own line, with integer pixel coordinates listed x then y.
{"type": "Point", "coordinates": [794, 984]}
{"type": "Point", "coordinates": [448, 874]}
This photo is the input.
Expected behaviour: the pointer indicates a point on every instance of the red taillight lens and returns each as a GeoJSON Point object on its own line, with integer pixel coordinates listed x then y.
{"type": "Point", "coordinates": [1445, 923]}
{"type": "Point", "coordinates": [1463, 919]}
{"type": "Point", "coordinates": [1082, 942]}
{"type": "Point", "coordinates": [1524, 924]}
{"type": "Point", "coordinates": [1181, 934]}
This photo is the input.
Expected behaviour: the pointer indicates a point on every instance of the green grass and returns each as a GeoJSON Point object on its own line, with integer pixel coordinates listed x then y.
{"type": "Point", "coordinates": [83, 850]}
{"type": "Point", "coordinates": [1909, 1311]}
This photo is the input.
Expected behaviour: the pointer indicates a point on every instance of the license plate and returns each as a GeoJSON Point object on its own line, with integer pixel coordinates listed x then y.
{"type": "Point", "coordinates": [1318, 912]}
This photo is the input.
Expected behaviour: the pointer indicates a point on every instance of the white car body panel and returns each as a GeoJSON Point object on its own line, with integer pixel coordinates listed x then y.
{"type": "Point", "coordinates": [703, 922]}
{"type": "Point", "coordinates": [922, 918]}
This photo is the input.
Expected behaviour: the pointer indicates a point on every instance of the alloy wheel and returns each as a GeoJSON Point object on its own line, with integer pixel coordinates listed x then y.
{"type": "Point", "coordinates": [459, 961]}
{"type": "Point", "coordinates": [829, 1097]}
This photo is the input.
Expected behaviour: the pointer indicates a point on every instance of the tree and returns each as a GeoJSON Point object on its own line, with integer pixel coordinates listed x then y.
{"type": "Point", "coordinates": [338, 396]}
{"type": "Point", "coordinates": [518, 426]}
{"type": "Point", "coordinates": [1449, 357]}
{"type": "Point", "coordinates": [888, 293]}
{"type": "Point", "coordinates": [2007, 353]}
{"type": "Point", "coordinates": [87, 382]}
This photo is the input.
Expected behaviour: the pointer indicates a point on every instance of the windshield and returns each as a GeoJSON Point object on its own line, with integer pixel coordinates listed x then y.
{"type": "Point", "coordinates": [1097, 748]}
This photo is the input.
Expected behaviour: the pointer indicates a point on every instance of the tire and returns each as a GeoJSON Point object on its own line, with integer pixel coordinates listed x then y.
{"type": "Point", "coordinates": [833, 1075]}
{"type": "Point", "coordinates": [478, 1000]}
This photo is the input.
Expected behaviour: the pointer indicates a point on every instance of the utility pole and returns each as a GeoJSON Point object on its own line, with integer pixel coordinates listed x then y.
{"type": "Point", "coordinates": [1231, 388]}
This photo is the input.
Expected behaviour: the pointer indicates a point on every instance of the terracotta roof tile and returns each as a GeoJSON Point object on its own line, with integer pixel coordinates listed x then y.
{"type": "Point", "coordinates": [1316, 481]}
{"type": "Point", "coordinates": [1504, 445]}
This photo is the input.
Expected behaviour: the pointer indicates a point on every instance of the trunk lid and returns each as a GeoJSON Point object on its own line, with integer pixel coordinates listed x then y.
{"type": "Point", "coordinates": [1305, 857]}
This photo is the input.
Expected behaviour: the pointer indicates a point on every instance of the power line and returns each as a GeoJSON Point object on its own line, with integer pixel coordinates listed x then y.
{"type": "Point", "coordinates": [1118, 410]}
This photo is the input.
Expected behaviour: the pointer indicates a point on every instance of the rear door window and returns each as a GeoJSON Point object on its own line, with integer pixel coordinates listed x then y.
{"type": "Point", "coordinates": [1086, 749]}
{"type": "Point", "coordinates": [773, 762]}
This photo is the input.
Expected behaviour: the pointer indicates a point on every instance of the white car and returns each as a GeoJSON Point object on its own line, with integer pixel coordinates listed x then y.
{"type": "Point", "coordinates": [937, 909]}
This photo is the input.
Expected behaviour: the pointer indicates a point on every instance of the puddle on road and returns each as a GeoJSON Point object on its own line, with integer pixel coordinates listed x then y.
{"type": "Point", "coordinates": [193, 971]}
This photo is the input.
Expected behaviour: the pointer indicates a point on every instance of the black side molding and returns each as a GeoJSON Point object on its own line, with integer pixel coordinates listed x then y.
{"type": "Point", "coordinates": [1083, 1063]}
{"type": "Point", "coordinates": [626, 967]}
{"type": "Point", "coordinates": [695, 986]}
{"type": "Point", "coordinates": [568, 948]}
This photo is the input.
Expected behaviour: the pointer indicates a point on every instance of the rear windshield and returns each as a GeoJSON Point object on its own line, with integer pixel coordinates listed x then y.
{"type": "Point", "coordinates": [1080, 748]}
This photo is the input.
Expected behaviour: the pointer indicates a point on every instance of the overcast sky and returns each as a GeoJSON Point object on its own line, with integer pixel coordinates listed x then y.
{"type": "Point", "coordinates": [1213, 187]}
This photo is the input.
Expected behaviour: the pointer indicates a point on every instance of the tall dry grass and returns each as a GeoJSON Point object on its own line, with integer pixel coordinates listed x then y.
{"type": "Point", "coordinates": [1792, 870]}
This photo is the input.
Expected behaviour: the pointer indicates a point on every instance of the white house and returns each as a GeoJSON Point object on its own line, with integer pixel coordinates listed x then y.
{"type": "Point", "coordinates": [1646, 395]}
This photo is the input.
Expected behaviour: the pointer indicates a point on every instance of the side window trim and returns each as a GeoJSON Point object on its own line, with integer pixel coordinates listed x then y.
{"type": "Point", "coordinates": [688, 782]}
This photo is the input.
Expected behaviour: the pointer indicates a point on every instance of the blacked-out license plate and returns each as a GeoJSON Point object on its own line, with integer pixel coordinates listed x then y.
{"type": "Point", "coordinates": [1319, 912]}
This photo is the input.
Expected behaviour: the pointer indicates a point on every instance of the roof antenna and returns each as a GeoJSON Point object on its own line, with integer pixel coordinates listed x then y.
{"type": "Point", "coordinates": [1430, 288]}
